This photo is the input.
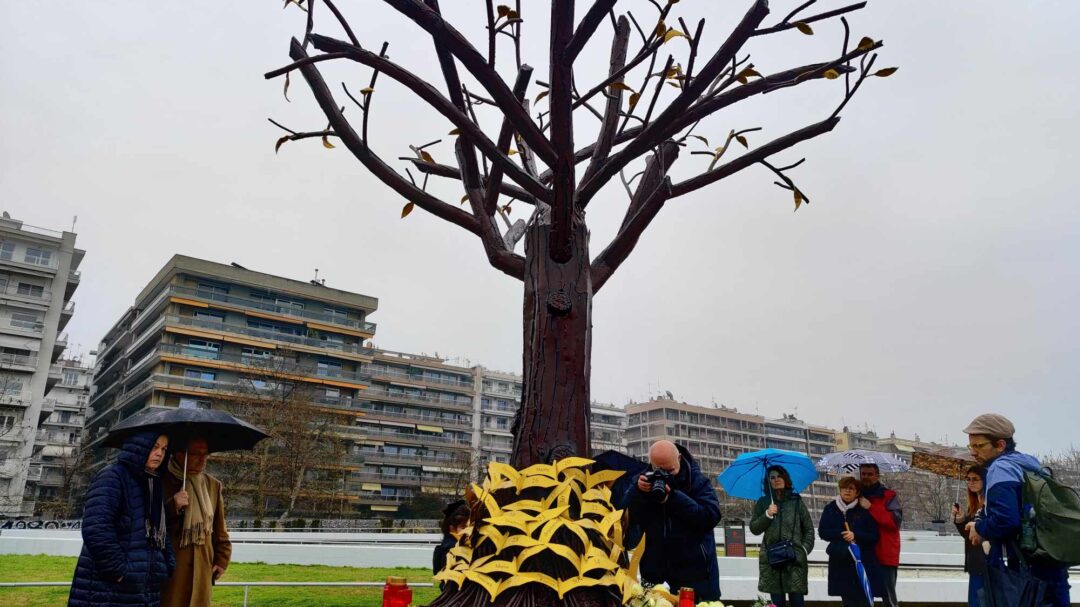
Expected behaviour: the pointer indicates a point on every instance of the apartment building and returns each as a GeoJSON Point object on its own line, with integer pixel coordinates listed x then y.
{"type": "Point", "coordinates": [201, 332]}
{"type": "Point", "coordinates": [56, 469]}
{"type": "Point", "coordinates": [607, 426]}
{"type": "Point", "coordinates": [497, 402]}
{"type": "Point", "coordinates": [38, 276]}
{"type": "Point", "coordinates": [791, 433]}
{"type": "Point", "coordinates": [848, 439]}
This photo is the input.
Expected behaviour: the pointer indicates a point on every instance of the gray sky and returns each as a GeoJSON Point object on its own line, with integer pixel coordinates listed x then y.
{"type": "Point", "coordinates": [933, 278]}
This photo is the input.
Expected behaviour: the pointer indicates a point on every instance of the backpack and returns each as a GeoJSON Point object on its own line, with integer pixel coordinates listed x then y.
{"type": "Point", "coordinates": [1050, 526]}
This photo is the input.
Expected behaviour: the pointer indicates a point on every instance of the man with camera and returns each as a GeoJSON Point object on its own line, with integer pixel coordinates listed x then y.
{"type": "Point", "coordinates": [676, 507]}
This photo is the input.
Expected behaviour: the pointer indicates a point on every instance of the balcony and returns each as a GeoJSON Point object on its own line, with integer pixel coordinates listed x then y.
{"type": "Point", "coordinates": [27, 292]}
{"type": "Point", "coordinates": [59, 346]}
{"type": "Point", "coordinates": [65, 315]}
{"type": "Point", "coordinates": [273, 308]}
{"type": "Point", "coordinates": [377, 498]}
{"type": "Point", "coordinates": [74, 278]}
{"type": "Point", "coordinates": [275, 336]}
{"type": "Point", "coordinates": [23, 327]}
{"type": "Point", "coordinates": [18, 362]}
{"type": "Point", "coordinates": [271, 366]}
{"type": "Point", "coordinates": [512, 393]}
{"type": "Point", "coordinates": [386, 395]}
{"type": "Point", "coordinates": [54, 377]}
{"type": "Point", "coordinates": [393, 436]}
{"type": "Point", "coordinates": [427, 418]}
{"type": "Point", "coordinates": [410, 460]}
{"type": "Point", "coordinates": [33, 474]}
{"type": "Point", "coordinates": [391, 374]}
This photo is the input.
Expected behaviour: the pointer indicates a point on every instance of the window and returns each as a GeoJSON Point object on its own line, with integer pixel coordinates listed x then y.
{"type": "Point", "coordinates": [203, 349]}
{"type": "Point", "coordinates": [337, 316]}
{"type": "Point", "coordinates": [23, 320]}
{"type": "Point", "coordinates": [212, 291]}
{"type": "Point", "coordinates": [328, 368]}
{"type": "Point", "coordinates": [71, 378]}
{"type": "Point", "coordinates": [7, 250]}
{"type": "Point", "coordinates": [38, 256]}
{"type": "Point", "coordinates": [31, 290]}
{"type": "Point", "coordinates": [251, 356]}
{"type": "Point", "coordinates": [194, 403]}
{"type": "Point", "coordinates": [216, 317]}
{"type": "Point", "coordinates": [332, 393]}
{"type": "Point", "coordinates": [200, 374]}
{"type": "Point", "coordinates": [7, 423]}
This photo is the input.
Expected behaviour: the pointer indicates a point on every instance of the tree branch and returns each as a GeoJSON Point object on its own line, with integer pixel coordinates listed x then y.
{"type": "Point", "coordinates": [606, 137]}
{"type": "Point", "coordinates": [444, 170]}
{"type": "Point", "coordinates": [587, 28]}
{"type": "Point", "coordinates": [656, 169]}
{"type": "Point", "coordinates": [506, 133]}
{"type": "Point", "coordinates": [784, 25]}
{"type": "Point", "coordinates": [753, 157]}
{"type": "Point", "coordinates": [371, 161]}
{"type": "Point", "coordinates": [560, 102]}
{"type": "Point", "coordinates": [441, 104]}
{"type": "Point", "coordinates": [659, 130]}
{"type": "Point", "coordinates": [477, 65]}
{"type": "Point", "coordinates": [623, 244]}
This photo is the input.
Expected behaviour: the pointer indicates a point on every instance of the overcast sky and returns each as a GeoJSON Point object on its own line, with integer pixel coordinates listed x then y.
{"type": "Point", "coordinates": [934, 276]}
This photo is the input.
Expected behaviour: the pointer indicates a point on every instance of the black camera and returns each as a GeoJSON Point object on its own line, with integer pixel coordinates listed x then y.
{"type": "Point", "coordinates": [658, 483]}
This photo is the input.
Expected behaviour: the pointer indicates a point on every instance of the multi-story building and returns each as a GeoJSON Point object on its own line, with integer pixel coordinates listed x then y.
{"type": "Point", "coordinates": [848, 439]}
{"type": "Point", "coordinates": [38, 275]}
{"type": "Point", "coordinates": [793, 434]}
{"type": "Point", "coordinates": [58, 463]}
{"type": "Point", "coordinates": [417, 430]}
{"type": "Point", "coordinates": [607, 426]}
{"type": "Point", "coordinates": [497, 402]}
{"type": "Point", "coordinates": [714, 435]}
{"type": "Point", "coordinates": [201, 332]}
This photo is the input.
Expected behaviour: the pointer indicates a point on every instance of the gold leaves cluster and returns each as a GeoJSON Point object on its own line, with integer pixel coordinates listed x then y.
{"type": "Point", "coordinates": [524, 519]}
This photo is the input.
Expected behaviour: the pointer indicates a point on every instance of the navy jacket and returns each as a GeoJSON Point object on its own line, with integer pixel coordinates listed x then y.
{"type": "Point", "coordinates": [680, 546]}
{"type": "Point", "coordinates": [115, 542]}
{"type": "Point", "coordinates": [843, 577]}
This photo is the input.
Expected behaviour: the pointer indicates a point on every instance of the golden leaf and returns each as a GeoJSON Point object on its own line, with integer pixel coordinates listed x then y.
{"type": "Point", "coordinates": [464, 198]}
{"type": "Point", "coordinates": [326, 143]}
{"type": "Point", "coordinates": [405, 210]}
{"type": "Point", "coordinates": [427, 157]}
{"type": "Point", "coordinates": [742, 140]}
{"type": "Point", "coordinates": [454, 132]}
{"type": "Point", "coordinates": [804, 28]}
{"type": "Point", "coordinates": [831, 74]}
{"type": "Point", "coordinates": [511, 152]}
{"type": "Point", "coordinates": [277, 146]}
{"type": "Point", "coordinates": [547, 470]}
{"type": "Point", "coordinates": [634, 99]}
{"type": "Point", "coordinates": [484, 581]}
{"type": "Point", "coordinates": [603, 476]}
{"type": "Point", "coordinates": [503, 10]}
{"type": "Point", "coordinates": [619, 86]}
{"type": "Point", "coordinates": [886, 72]}
{"type": "Point", "coordinates": [673, 33]}
{"type": "Point", "coordinates": [572, 462]}
{"type": "Point", "coordinates": [719, 150]}
{"type": "Point", "coordinates": [798, 199]}
{"type": "Point", "coordinates": [541, 96]}
{"type": "Point", "coordinates": [674, 84]}
{"type": "Point", "coordinates": [532, 505]}
{"type": "Point", "coordinates": [367, 90]}
{"type": "Point", "coordinates": [661, 28]}
{"type": "Point", "coordinates": [497, 567]}
{"type": "Point", "coordinates": [866, 43]}
{"type": "Point", "coordinates": [286, 92]}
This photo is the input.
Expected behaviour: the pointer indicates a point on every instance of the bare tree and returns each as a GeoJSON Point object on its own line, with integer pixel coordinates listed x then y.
{"type": "Point", "coordinates": [1065, 466]}
{"type": "Point", "coordinates": [685, 80]}
{"type": "Point", "coordinates": [300, 466]}
{"type": "Point", "coordinates": [75, 467]}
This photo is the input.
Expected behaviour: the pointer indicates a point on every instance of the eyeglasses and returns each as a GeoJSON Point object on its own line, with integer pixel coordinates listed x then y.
{"type": "Point", "coordinates": [977, 446]}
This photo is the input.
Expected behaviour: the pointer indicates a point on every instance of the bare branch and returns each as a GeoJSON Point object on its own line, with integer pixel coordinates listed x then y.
{"type": "Point", "coordinates": [476, 63]}
{"type": "Point", "coordinates": [450, 172]}
{"type": "Point", "coordinates": [656, 132]}
{"type": "Point", "coordinates": [441, 104]}
{"type": "Point", "coordinates": [562, 132]}
{"type": "Point", "coordinates": [370, 94]}
{"type": "Point", "coordinates": [656, 169]}
{"type": "Point", "coordinates": [506, 133]}
{"type": "Point", "coordinates": [753, 157]}
{"type": "Point", "coordinates": [614, 98]}
{"type": "Point", "coordinates": [342, 21]}
{"type": "Point", "coordinates": [784, 25]}
{"type": "Point", "coordinates": [366, 157]}
{"type": "Point", "coordinates": [587, 28]}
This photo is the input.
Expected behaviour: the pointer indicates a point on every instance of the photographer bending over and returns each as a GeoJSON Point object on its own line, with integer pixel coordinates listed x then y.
{"type": "Point", "coordinates": [676, 506]}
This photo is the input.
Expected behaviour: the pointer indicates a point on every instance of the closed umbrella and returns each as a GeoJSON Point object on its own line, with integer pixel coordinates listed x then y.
{"type": "Point", "coordinates": [745, 477]}
{"type": "Point", "coordinates": [849, 461]}
{"type": "Point", "coordinates": [860, 569]}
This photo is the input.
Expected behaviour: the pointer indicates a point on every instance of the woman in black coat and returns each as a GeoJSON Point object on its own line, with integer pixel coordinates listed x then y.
{"type": "Point", "coordinates": [126, 553]}
{"type": "Point", "coordinates": [974, 557]}
{"type": "Point", "coordinates": [844, 522]}
{"type": "Point", "coordinates": [455, 519]}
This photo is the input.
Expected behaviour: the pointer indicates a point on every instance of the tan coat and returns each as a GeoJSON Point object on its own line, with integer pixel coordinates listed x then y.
{"type": "Point", "coordinates": [190, 584]}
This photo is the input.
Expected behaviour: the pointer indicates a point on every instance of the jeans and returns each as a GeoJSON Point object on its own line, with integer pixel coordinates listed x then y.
{"type": "Point", "coordinates": [780, 601]}
{"type": "Point", "coordinates": [888, 587]}
{"type": "Point", "coordinates": [975, 583]}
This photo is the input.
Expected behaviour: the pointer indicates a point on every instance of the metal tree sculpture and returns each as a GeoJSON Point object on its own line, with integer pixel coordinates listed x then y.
{"type": "Point", "coordinates": [559, 277]}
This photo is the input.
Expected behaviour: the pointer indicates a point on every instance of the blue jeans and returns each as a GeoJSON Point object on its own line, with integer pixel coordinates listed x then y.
{"type": "Point", "coordinates": [780, 601]}
{"type": "Point", "coordinates": [975, 583]}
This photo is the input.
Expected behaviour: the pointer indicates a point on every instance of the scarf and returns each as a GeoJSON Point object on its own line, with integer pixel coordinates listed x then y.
{"type": "Point", "coordinates": [154, 512]}
{"type": "Point", "coordinates": [845, 507]}
{"type": "Point", "coordinates": [199, 514]}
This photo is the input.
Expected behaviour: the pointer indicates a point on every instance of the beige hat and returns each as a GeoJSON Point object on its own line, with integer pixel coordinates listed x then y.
{"type": "Point", "coordinates": [991, 424]}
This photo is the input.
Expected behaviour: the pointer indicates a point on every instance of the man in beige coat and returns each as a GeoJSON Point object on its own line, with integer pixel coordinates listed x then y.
{"type": "Point", "coordinates": [195, 516]}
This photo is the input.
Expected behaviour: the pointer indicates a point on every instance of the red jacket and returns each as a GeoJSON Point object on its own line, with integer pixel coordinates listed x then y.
{"type": "Point", "coordinates": [887, 513]}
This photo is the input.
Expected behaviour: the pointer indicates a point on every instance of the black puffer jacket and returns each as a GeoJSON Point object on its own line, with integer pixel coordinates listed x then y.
{"type": "Point", "coordinates": [680, 546]}
{"type": "Point", "coordinates": [115, 537]}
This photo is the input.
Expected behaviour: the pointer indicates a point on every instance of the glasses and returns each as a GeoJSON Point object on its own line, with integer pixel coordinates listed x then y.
{"type": "Point", "coordinates": [977, 446]}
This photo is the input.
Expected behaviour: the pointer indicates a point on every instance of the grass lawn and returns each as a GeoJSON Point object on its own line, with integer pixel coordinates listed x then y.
{"type": "Point", "coordinates": [18, 568]}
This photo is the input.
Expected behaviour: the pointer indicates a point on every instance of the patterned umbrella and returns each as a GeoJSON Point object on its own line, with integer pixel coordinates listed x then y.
{"type": "Point", "coordinates": [950, 463]}
{"type": "Point", "coordinates": [849, 461]}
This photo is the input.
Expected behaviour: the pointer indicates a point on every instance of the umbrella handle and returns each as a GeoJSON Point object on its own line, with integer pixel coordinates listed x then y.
{"type": "Point", "coordinates": [183, 484]}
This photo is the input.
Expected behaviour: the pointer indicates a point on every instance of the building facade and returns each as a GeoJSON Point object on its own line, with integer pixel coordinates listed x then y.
{"type": "Point", "coordinates": [848, 439]}
{"type": "Point", "coordinates": [38, 276]}
{"type": "Point", "coordinates": [607, 426]}
{"type": "Point", "coordinates": [793, 434]}
{"type": "Point", "coordinates": [58, 463]}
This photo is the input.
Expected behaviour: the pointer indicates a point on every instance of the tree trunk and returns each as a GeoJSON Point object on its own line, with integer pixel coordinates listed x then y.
{"type": "Point", "coordinates": [553, 421]}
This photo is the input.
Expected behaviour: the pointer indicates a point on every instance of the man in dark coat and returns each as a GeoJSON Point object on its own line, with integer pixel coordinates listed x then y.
{"type": "Point", "coordinates": [126, 553]}
{"type": "Point", "coordinates": [680, 546]}
{"type": "Point", "coordinates": [884, 505]}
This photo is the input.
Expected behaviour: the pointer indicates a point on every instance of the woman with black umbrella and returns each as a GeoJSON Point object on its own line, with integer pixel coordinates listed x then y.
{"type": "Point", "coordinates": [126, 553]}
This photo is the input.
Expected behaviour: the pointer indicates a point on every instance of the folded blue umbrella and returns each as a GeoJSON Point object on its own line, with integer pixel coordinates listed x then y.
{"type": "Point", "coordinates": [745, 477]}
{"type": "Point", "coordinates": [860, 570]}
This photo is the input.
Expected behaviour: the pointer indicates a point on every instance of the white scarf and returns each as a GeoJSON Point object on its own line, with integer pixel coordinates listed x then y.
{"type": "Point", "coordinates": [845, 507]}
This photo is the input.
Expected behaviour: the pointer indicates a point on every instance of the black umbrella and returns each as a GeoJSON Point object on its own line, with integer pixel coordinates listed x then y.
{"type": "Point", "coordinates": [221, 431]}
{"type": "Point", "coordinates": [613, 460]}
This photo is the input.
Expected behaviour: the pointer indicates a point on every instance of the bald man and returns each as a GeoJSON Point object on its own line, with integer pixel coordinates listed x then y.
{"type": "Point", "coordinates": [678, 518]}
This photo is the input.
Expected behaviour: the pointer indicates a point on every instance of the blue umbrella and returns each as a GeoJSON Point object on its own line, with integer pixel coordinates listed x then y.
{"type": "Point", "coordinates": [745, 477]}
{"type": "Point", "coordinates": [860, 570]}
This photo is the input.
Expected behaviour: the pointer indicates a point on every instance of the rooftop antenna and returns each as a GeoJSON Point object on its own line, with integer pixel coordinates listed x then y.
{"type": "Point", "coordinates": [74, 220]}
